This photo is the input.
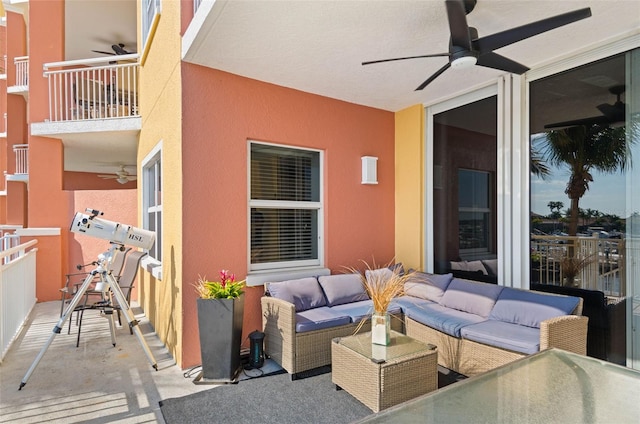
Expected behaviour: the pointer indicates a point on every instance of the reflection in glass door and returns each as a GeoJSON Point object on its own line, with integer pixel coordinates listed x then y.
{"type": "Point", "coordinates": [464, 191]}
{"type": "Point", "coordinates": [583, 149]}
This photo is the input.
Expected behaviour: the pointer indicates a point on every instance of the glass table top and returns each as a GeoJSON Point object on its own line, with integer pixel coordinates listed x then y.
{"type": "Point", "coordinates": [552, 386]}
{"type": "Point", "coordinates": [399, 346]}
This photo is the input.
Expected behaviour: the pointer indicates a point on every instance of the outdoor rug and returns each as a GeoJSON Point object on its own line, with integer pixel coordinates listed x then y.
{"type": "Point", "coordinates": [269, 399]}
{"type": "Point", "coordinates": [274, 399]}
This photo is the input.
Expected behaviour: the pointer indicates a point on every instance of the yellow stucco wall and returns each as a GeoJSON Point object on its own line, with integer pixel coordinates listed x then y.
{"type": "Point", "coordinates": [161, 111]}
{"type": "Point", "coordinates": [409, 177]}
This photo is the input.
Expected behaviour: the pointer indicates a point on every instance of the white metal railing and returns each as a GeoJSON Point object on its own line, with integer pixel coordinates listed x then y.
{"type": "Point", "coordinates": [22, 158]}
{"type": "Point", "coordinates": [600, 262]}
{"type": "Point", "coordinates": [4, 126]}
{"type": "Point", "coordinates": [22, 70]}
{"type": "Point", "coordinates": [9, 241]}
{"type": "Point", "coordinates": [17, 291]}
{"type": "Point", "coordinates": [99, 89]}
{"type": "Point", "coordinates": [3, 69]}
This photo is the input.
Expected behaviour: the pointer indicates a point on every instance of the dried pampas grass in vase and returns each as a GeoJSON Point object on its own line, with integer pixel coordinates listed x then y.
{"type": "Point", "coordinates": [382, 284]}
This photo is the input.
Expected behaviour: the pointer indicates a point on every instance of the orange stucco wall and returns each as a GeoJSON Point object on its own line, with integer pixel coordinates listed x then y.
{"type": "Point", "coordinates": [221, 112]}
{"type": "Point", "coordinates": [117, 205]}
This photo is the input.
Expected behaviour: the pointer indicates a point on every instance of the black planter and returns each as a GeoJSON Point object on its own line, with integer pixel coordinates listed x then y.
{"type": "Point", "coordinates": [220, 327]}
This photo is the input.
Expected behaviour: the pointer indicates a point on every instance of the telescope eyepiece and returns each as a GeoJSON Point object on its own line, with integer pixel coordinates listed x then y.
{"type": "Point", "coordinates": [94, 212]}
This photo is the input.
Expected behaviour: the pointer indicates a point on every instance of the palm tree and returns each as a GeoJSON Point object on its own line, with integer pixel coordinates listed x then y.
{"type": "Point", "coordinates": [555, 207]}
{"type": "Point", "coordinates": [582, 149]}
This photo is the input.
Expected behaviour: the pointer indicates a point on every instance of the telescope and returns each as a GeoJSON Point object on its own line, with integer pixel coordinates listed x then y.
{"type": "Point", "coordinates": [91, 225]}
{"type": "Point", "coordinates": [117, 234]}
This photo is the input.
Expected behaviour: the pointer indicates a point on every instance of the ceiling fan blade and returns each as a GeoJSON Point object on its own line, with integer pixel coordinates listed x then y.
{"type": "Point", "coordinates": [100, 51]}
{"type": "Point", "coordinates": [599, 120]}
{"type": "Point", "coordinates": [458, 24]}
{"type": "Point", "coordinates": [434, 76]}
{"type": "Point", "coordinates": [405, 58]}
{"type": "Point", "coordinates": [119, 49]}
{"type": "Point", "coordinates": [615, 112]}
{"type": "Point", "coordinates": [504, 38]}
{"type": "Point", "coordinates": [496, 61]}
{"type": "Point", "coordinates": [107, 176]}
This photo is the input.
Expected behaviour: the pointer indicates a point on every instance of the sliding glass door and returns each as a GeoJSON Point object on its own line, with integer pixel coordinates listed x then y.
{"type": "Point", "coordinates": [465, 163]}
{"type": "Point", "coordinates": [584, 193]}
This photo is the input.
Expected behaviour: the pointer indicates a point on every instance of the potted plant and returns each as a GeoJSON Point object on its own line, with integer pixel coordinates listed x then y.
{"type": "Point", "coordinates": [220, 313]}
{"type": "Point", "coordinates": [572, 266]}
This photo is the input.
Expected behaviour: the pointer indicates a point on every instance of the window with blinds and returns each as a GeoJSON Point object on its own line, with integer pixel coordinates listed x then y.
{"type": "Point", "coordinates": [285, 207]}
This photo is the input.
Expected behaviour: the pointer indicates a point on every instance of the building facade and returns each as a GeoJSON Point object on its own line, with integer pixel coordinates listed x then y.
{"type": "Point", "coordinates": [266, 180]}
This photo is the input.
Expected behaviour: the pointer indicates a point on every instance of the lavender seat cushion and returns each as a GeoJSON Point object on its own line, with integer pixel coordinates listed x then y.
{"type": "Point", "coordinates": [406, 302]}
{"type": "Point", "coordinates": [446, 320]}
{"type": "Point", "coordinates": [530, 308]}
{"type": "Point", "coordinates": [514, 337]}
{"type": "Point", "coordinates": [319, 318]}
{"type": "Point", "coordinates": [358, 311]}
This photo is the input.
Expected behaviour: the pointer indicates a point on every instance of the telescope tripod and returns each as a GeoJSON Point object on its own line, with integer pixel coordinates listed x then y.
{"type": "Point", "coordinates": [111, 288]}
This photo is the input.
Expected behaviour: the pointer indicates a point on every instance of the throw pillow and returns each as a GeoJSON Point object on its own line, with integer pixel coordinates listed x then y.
{"type": "Point", "coordinates": [467, 296]}
{"type": "Point", "coordinates": [530, 308]}
{"type": "Point", "coordinates": [476, 266]}
{"type": "Point", "coordinates": [304, 293]}
{"type": "Point", "coordinates": [427, 286]}
{"type": "Point", "coordinates": [342, 288]}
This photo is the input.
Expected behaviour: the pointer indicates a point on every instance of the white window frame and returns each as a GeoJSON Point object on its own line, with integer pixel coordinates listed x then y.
{"type": "Point", "coordinates": [149, 167]}
{"type": "Point", "coordinates": [150, 11]}
{"type": "Point", "coordinates": [285, 268]}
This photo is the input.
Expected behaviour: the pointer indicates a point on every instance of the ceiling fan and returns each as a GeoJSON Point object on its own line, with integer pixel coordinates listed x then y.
{"type": "Point", "coordinates": [466, 49]}
{"type": "Point", "coordinates": [118, 50]}
{"type": "Point", "coordinates": [122, 176]}
{"type": "Point", "coordinates": [611, 113]}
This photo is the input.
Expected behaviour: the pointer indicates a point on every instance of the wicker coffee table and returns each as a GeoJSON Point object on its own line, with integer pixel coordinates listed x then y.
{"type": "Point", "coordinates": [383, 376]}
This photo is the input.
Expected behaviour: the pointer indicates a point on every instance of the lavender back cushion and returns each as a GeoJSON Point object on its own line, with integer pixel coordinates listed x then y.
{"type": "Point", "coordinates": [304, 293]}
{"type": "Point", "coordinates": [427, 286]}
{"type": "Point", "coordinates": [342, 288]}
{"type": "Point", "coordinates": [529, 308]}
{"type": "Point", "coordinates": [467, 296]}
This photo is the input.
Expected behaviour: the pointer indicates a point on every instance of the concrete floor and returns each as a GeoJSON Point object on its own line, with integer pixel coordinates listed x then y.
{"type": "Point", "coordinates": [96, 382]}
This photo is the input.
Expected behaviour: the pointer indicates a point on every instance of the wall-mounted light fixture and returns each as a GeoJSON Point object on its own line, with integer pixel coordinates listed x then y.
{"type": "Point", "coordinates": [369, 170]}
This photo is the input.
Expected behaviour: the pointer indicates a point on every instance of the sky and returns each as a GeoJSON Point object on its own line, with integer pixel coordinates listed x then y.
{"type": "Point", "coordinates": [606, 193]}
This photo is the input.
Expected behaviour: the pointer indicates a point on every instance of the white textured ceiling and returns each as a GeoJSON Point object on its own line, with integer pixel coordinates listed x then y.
{"type": "Point", "coordinates": [317, 46]}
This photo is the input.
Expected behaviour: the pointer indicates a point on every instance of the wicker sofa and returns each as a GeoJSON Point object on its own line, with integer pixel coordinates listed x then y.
{"type": "Point", "coordinates": [476, 326]}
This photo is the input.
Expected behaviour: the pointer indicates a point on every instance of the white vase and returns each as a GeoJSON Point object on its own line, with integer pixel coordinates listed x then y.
{"type": "Point", "coordinates": [381, 329]}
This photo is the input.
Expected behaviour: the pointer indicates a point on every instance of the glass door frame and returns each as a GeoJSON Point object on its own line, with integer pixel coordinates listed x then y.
{"type": "Point", "coordinates": [602, 52]}
{"type": "Point", "coordinates": [501, 89]}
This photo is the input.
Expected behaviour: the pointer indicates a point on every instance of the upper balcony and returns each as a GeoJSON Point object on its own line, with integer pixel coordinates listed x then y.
{"type": "Point", "coordinates": [93, 109]}
{"type": "Point", "coordinates": [21, 85]}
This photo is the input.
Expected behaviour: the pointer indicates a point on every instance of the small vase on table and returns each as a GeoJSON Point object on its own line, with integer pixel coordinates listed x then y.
{"type": "Point", "coordinates": [381, 329]}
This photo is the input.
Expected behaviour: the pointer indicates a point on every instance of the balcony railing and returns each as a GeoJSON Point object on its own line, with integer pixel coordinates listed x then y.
{"type": "Point", "coordinates": [598, 263]}
{"type": "Point", "coordinates": [22, 159]}
{"type": "Point", "coordinates": [22, 71]}
{"type": "Point", "coordinates": [93, 89]}
{"type": "Point", "coordinates": [17, 288]}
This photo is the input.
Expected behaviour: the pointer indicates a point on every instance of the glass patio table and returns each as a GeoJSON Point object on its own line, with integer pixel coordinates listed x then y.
{"type": "Point", "coordinates": [553, 386]}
